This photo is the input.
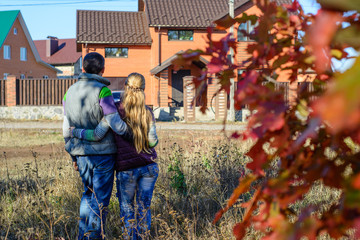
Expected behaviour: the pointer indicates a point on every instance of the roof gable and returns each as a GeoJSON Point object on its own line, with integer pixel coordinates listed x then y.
{"type": "Point", "coordinates": [112, 27]}
{"type": "Point", "coordinates": [7, 19]}
{"type": "Point", "coordinates": [65, 54]}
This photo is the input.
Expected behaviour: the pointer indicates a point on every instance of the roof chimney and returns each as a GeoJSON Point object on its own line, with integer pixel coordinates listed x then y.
{"type": "Point", "coordinates": [51, 45]}
{"type": "Point", "coordinates": [141, 5]}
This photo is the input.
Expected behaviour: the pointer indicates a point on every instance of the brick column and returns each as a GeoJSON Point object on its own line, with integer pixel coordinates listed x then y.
{"type": "Point", "coordinates": [189, 94]}
{"type": "Point", "coordinates": [219, 103]}
{"type": "Point", "coordinates": [221, 106]}
{"type": "Point", "coordinates": [293, 93]}
{"type": "Point", "coordinates": [212, 89]}
{"type": "Point", "coordinates": [11, 91]}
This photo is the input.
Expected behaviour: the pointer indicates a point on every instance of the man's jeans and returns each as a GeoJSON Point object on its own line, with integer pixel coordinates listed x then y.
{"type": "Point", "coordinates": [97, 173]}
{"type": "Point", "coordinates": [141, 181]}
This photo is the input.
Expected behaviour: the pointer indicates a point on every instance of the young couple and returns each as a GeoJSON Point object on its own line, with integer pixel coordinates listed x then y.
{"type": "Point", "coordinates": [103, 137]}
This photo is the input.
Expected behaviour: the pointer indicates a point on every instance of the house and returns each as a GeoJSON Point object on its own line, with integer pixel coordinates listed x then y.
{"type": "Point", "coordinates": [18, 54]}
{"type": "Point", "coordinates": [62, 54]}
{"type": "Point", "coordinates": [123, 38]}
{"type": "Point", "coordinates": [148, 40]}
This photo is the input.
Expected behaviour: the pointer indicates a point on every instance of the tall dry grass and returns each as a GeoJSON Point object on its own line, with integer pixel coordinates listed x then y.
{"type": "Point", "coordinates": [40, 191]}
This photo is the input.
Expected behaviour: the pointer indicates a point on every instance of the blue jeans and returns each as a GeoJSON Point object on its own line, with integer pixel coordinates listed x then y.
{"type": "Point", "coordinates": [97, 174]}
{"type": "Point", "coordinates": [139, 181]}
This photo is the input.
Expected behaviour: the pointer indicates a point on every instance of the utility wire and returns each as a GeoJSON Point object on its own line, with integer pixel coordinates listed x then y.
{"type": "Point", "coordinates": [58, 3]}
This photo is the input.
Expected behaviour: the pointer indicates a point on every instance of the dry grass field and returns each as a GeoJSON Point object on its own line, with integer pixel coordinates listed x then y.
{"type": "Point", "coordinates": [40, 192]}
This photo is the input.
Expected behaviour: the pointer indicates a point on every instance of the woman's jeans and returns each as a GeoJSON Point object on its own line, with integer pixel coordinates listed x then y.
{"type": "Point", "coordinates": [140, 182]}
{"type": "Point", "coordinates": [97, 174]}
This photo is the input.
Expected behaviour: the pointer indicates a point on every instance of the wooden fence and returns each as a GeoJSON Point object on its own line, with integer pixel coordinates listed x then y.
{"type": "Point", "coordinates": [33, 92]}
{"type": "Point", "coordinates": [309, 88]}
{"type": "Point", "coordinates": [2, 92]}
{"type": "Point", "coordinates": [41, 91]}
{"type": "Point", "coordinates": [285, 86]}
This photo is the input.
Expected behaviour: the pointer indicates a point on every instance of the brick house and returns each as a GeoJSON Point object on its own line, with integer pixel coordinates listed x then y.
{"type": "Point", "coordinates": [123, 38]}
{"type": "Point", "coordinates": [18, 54]}
{"type": "Point", "coordinates": [62, 54]}
{"type": "Point", "coordinates": [146, 41]}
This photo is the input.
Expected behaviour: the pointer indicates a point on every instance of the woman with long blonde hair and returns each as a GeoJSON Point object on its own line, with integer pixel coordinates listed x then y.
{"type": "Point", "coordinates": [137, 115]}
{"type": "Point", "coordinates": [136, 170]}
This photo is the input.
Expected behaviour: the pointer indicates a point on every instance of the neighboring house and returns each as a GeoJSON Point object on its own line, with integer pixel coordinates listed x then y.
{"type": "Point", "coordinates": [148, 40]}
{"type": "Point", "coordinates": [62, 54]}
{"type": "Point", "coordinates": [18, 54]}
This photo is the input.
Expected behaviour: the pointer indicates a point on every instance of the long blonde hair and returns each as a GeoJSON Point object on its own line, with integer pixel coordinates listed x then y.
{"type": "Point", "coordinates": [137, 116]}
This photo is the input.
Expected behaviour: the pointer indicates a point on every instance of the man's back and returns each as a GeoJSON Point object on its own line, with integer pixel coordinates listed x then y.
{"type": "Point", "coordinates": [82, 103]}
{"type": "Point", "coordinates": [83, 110]}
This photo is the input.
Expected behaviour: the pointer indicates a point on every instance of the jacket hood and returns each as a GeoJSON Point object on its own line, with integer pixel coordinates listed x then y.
{"type": "Point", "coordinates": [89, 76]}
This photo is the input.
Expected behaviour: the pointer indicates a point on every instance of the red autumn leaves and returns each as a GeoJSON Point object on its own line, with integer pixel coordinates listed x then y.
{"type": "Point", "coordinates": [320, 145]}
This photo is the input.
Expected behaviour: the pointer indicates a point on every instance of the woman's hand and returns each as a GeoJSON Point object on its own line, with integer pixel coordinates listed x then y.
{"type": "Point", "coordinates": [71, 131]}
{"type": "Point", "coordinates": [76, 167]}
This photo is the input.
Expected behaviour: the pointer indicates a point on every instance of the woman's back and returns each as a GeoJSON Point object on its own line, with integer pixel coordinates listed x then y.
{"type": "Point", "coordinates": [127, 155]}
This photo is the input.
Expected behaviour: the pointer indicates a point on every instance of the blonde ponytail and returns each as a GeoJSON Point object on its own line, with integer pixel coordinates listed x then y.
{"type": "Point", "coordinates": [136, 115]}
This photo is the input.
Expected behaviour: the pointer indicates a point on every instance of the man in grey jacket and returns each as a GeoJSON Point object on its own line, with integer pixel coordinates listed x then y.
{"type": "Point", "coordinates": [85, 103]}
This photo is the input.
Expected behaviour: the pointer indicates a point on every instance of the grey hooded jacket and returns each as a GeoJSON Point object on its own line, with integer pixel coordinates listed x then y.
{"type": "Point", "coordinates": [82, 110]}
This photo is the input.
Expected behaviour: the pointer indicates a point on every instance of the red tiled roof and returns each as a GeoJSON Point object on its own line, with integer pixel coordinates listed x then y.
{"type": "Point", "coordinates": [65, 54]}
{"type": "Point", "coordinates": [112, 27]}
{"type": "Point", "coordinates": [184, 13]}
{"type": "Point", "coordinates": [244, 5]}
{"type": "Point", "coordinates": [190, 13]}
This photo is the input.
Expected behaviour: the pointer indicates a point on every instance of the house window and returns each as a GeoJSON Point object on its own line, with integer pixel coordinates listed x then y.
{"type": "Point", "coordinates": [22, 76]}
{"type": "Point", "coordinates": [23, 54]}
{"type": "Point", "coordinates": [6, 75]}
{"type": "Point", "coordinates": [15, 31]}
{"type": "Point", "coordinates": [248, 28]}
{"type": "Point", "coordinates": [45, 77]}
{"type": "Point", "coordinates": [7, 52]}
{"type": "Point", "coordinates": [181, 35]}
{"type": "Point", "coordinates": [116, 52]}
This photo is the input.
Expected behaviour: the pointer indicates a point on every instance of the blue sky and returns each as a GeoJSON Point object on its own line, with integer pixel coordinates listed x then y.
{"type": "Point", "coordinates": [58, 17]}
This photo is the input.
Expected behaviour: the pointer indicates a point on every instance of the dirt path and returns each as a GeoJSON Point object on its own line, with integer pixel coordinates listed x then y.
{"type": "Point", "coordinates": [159, 125]}
{"type": "Point", "coordinates": [26, 151]}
